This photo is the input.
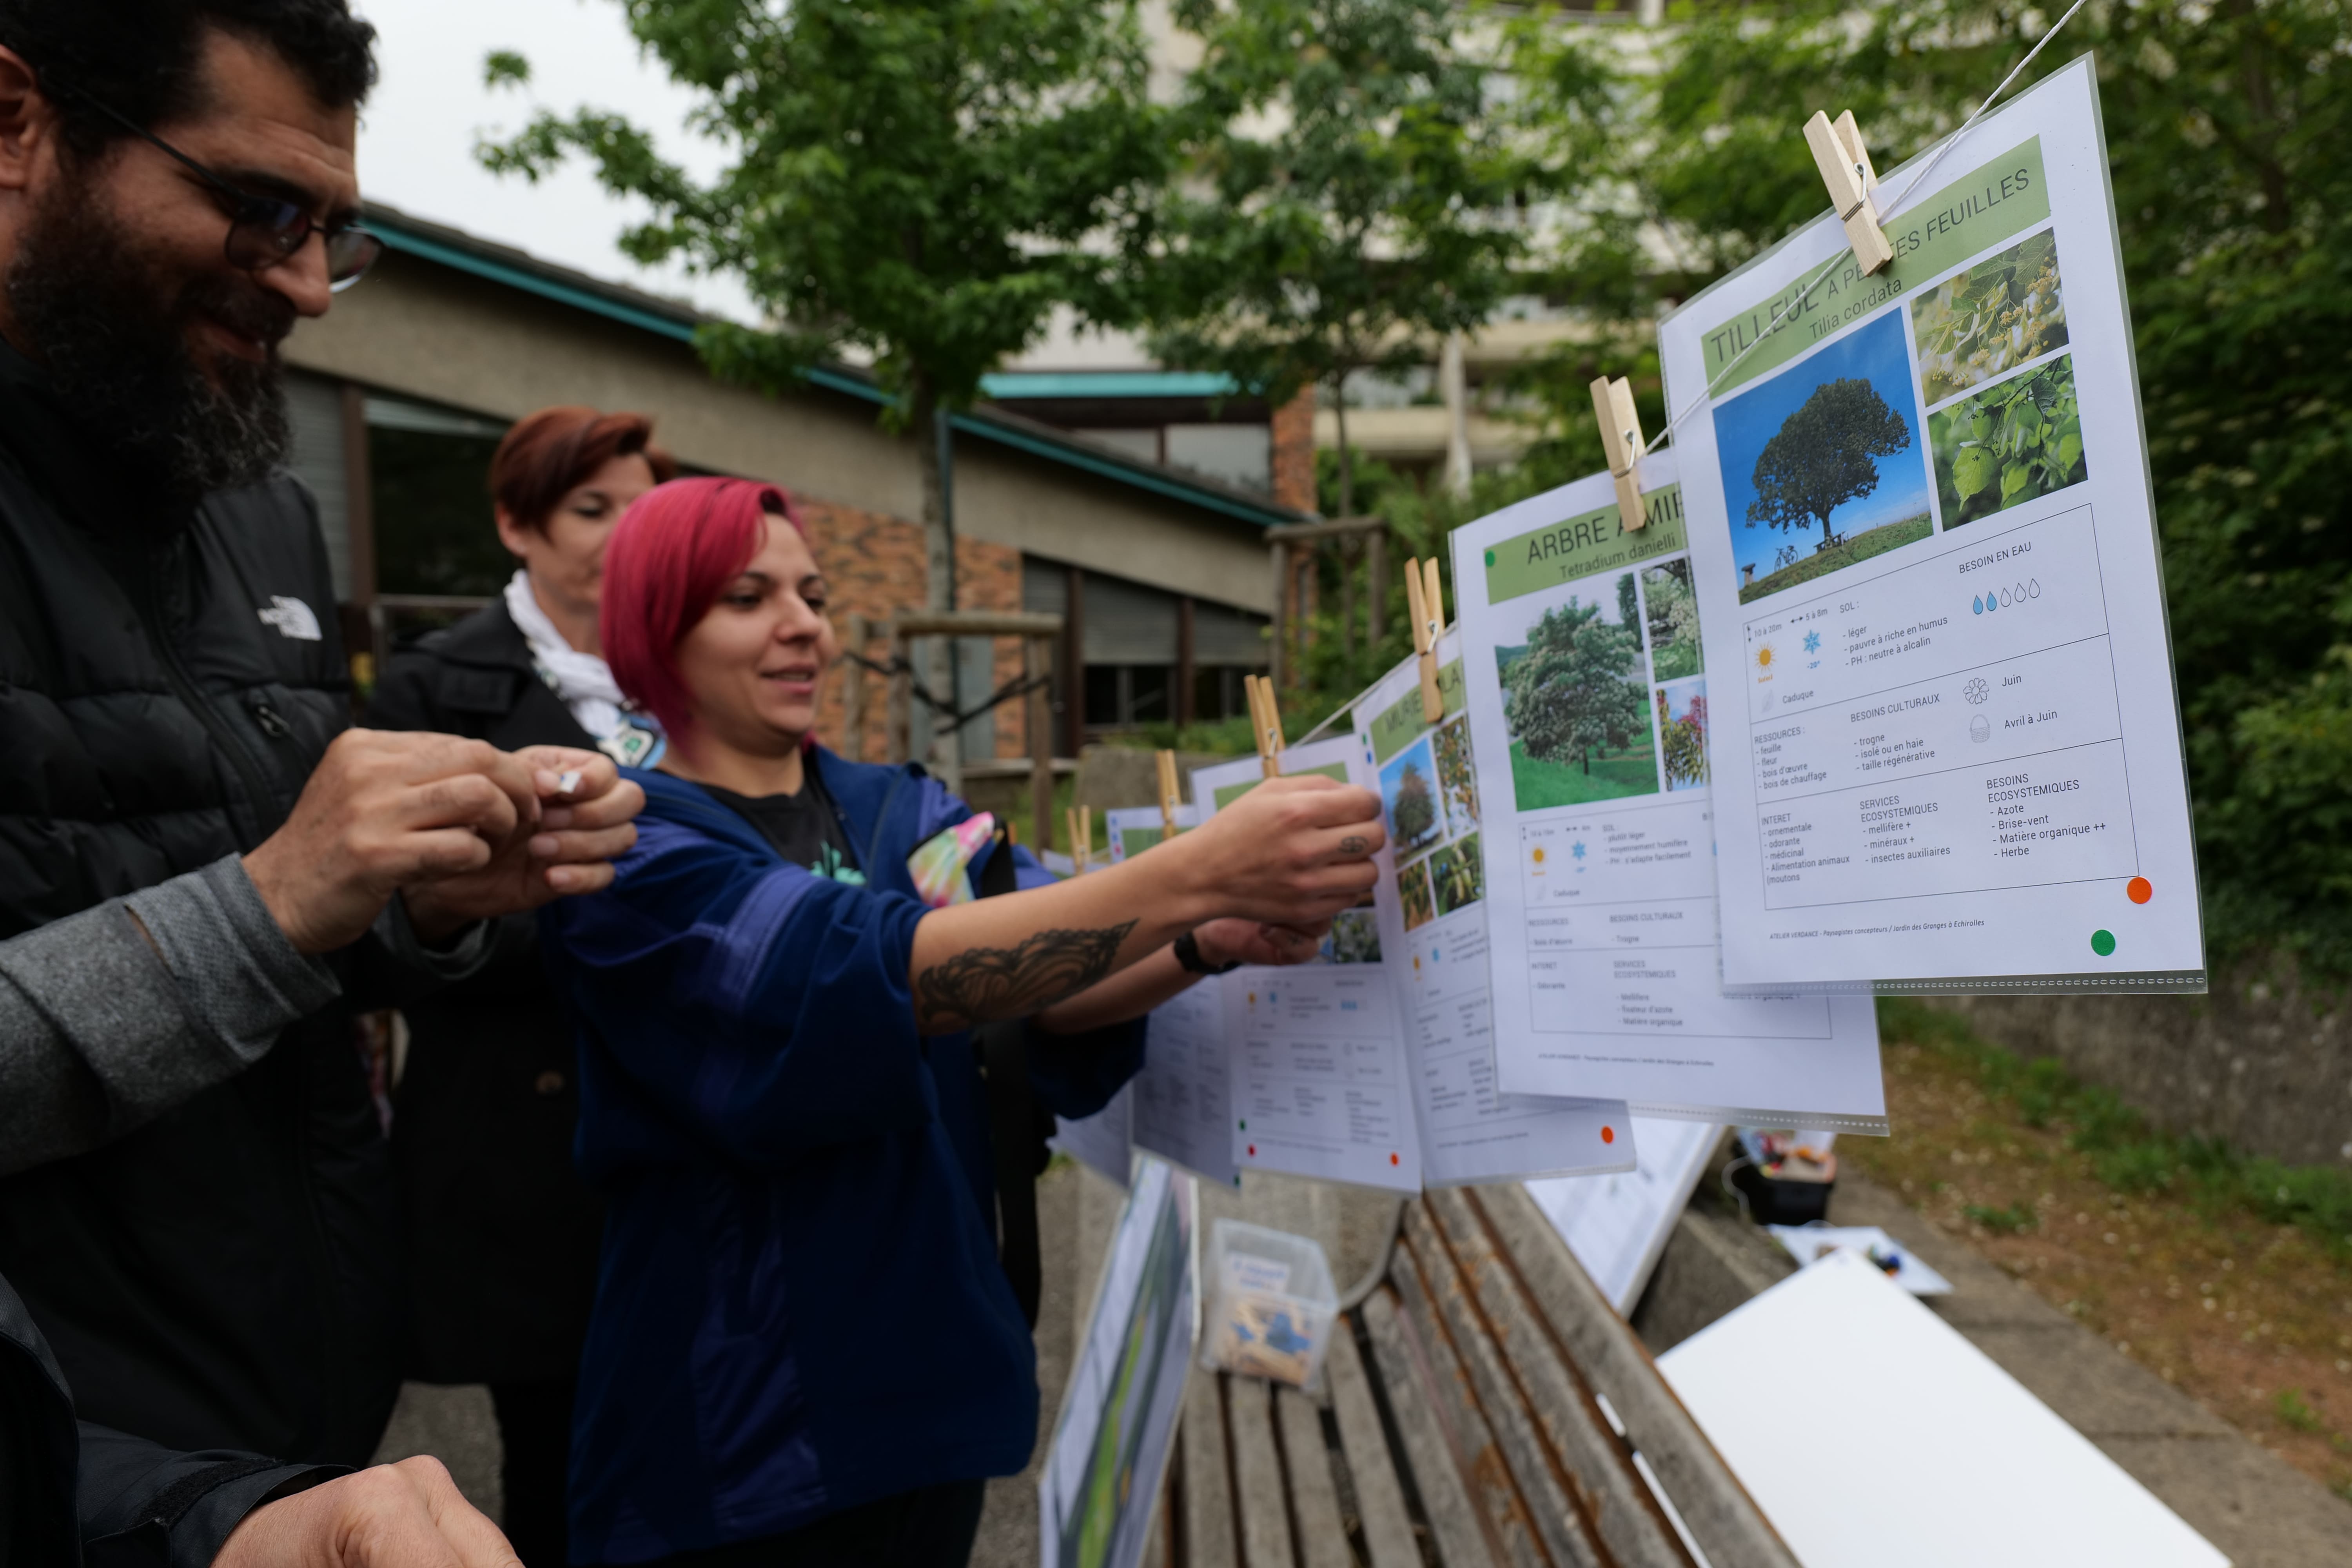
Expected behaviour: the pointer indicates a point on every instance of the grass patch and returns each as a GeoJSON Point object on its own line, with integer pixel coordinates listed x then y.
{"type": "Point", "coordinates": [2295, 1411]}
{"type": "Point", "coordinates": [1536, 783]}
{"type": "Point", "coordinates": [1859, 547]}
{"type": "Point", "coordinates": [2007, 1220]}
{"type": "Point", "coordinates": [2124, 1152]}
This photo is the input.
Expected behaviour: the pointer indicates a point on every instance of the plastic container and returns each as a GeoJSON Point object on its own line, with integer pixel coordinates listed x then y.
{"type": "Point", "coordinates": [1271, 1304]}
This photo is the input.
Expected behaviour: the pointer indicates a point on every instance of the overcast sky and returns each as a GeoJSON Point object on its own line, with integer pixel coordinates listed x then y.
{"type": "Point", "coordinates": [417, 135]}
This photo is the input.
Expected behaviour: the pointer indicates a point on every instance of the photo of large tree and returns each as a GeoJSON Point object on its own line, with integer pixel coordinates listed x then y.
{"type": "Point", "coordinates": [1575, 697]}
{"type": "Point", "coordinates": [1825, 455]}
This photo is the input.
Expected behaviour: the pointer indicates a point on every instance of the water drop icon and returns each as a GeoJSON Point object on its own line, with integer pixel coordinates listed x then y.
{"type": "Point", "coordinates": [2004, 596]}
{"type": "Point", "coordinates": [1991, 603]}
{"type": "Point", "coordinates": [2034, 588]}
{"type": "Point", "coordinates": [1977, 602]}
{"type": "Point", "coordinates": [2020, 593]}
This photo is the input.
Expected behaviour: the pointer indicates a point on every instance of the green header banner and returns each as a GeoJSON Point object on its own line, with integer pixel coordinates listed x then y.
{"type": "Point", "coordinates": [1233, 792]}
{"type": "Point", "coordinates": [1581, 546]}
{"type": "Point", "coordinates": [1973, 214]}
{"type": "Point", "coordinates": [1400, 724]}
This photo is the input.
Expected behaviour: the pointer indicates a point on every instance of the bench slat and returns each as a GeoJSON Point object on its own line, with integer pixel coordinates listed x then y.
{"type": "Point", "coordinates": [1454, 1522]}
{"type": "Point", "coordinates": [1257, 1475]}
{"type": "Point", "coordinates": [1577, 1439]}
{"type": "Point", "coordinates": [1713, 1506]}
{"type": "Point", "coordinates": [1511, 1525]}
{"type": "Point", "coordinates": [1379, 1500]}
{"type": "Point", "coordinates": [1314, 1497]}
{"type": "Point", "coordinates": [1208, 1495]}
{"type": "Point", "coordinates": [1552, 1498]}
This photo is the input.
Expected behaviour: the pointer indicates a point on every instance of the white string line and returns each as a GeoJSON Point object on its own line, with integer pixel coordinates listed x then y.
{"type": "Point", "coordinates": [1836, 261]}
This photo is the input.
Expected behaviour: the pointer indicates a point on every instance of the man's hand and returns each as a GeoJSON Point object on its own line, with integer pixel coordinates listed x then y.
{"type": "Point", "coordinates": [581, 828]}
{"type": "Point", "coordinates": [1292, 852]}
{"type": "Point", "coordinates": [408, 1515]}
{"type": "Point", "coordinates": [1254, 942]}
{"type": "Point", "coordinates": [381, 812]}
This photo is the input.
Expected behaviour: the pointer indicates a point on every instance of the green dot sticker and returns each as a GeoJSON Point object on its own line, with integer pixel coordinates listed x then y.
{"type": "Point", "coordinates": [2102, 942]}
{"type": "Point", "coordinates": [1490, 558]}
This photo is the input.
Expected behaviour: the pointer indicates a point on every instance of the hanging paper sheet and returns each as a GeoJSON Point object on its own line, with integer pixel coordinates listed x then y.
{"type": "Point", "coordinates": [1946, 745]}
{"type": "Point", "coordinates": [1434, 911]}
{"type": "Point", "coordinates": [1589, 718]}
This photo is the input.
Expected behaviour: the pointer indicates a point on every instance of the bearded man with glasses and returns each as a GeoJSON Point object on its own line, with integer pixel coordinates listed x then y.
{"type": "Point", "coordinates": [206, 1241]}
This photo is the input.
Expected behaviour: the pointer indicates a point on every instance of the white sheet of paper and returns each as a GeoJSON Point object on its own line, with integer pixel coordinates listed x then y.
{"type": "Point", "coordinates": [1180, 1098]}
{"type": "Point", "coordinates": [1618, 1225]}
{"type": "Point", "coordinates": [1587, 714]}
{"type": "Point", "coordinates": [1870, 1432]}
{"type": "Point", "coordinates": [1104, 1141]}
{"type": "Point", "coordinates": [1947, 745]}
{"type": "Point", "coordinates": [1809, 1244]}
{"type": "Point", "coordinates": [1433, 933]}
{"type": "Point", "coordinates": [1132, 830]}
{"type": "Point", "coordinates": [1320, 1083]}
{"type": "Point", "coordinates": [1102, 1479]}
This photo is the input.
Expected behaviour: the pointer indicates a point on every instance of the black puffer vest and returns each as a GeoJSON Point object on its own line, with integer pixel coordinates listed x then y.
{"type": "Point", "coordinates": [226, 1276]}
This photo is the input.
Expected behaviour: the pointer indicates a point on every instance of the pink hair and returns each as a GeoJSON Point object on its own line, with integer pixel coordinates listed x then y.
{"type": "Point", "coordinates": [671, 553]}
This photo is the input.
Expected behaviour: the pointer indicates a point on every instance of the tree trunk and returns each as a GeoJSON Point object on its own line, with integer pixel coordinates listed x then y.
{"type": "Point", "coordinates": [1346, 458]}
{"type": "Point", "coordinates": [928, 426]}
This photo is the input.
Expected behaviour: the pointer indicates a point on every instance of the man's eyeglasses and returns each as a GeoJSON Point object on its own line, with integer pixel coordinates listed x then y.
{"type": "Point", "coordinates": [264, 231]}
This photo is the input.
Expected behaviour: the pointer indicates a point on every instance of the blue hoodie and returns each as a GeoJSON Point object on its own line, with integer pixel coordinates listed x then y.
{"type": "Point", "coordinates": [799, 1307]}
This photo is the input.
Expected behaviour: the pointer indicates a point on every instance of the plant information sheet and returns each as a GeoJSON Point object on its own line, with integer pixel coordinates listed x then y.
{"type": "Point", "coordinates": [1588, 713]}
{"type": "Point", "coordinates": [1433, 907]}
{"type": "Point", "coordinates": [1176, 1106]}
{"type": "Point", "coordinates": [1319, 1084]}
{"type": "Point", "coordinates": [1945, 744]}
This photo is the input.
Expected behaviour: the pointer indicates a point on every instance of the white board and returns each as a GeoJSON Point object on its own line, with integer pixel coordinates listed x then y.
{"type": "Point", "coordinates": [1870, 1432]}
{"type": "Point", "coordinates": [1588, 710]}
{"type": "Point", "coordinates": [1946, 742]}
{"type": "Point", "coordinates": [1618, 1225]}
{"type": "Point", "coordinates": [1101, 1478]}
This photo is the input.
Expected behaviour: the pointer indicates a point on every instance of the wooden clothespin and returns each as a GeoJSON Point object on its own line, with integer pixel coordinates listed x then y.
{"type": "Point", "coordinates": [1265, 721]}
{"type": "Point", "coordinates": [1169, 798]}
{"type": "Point", "coordinates": [1846, 168]}
{"type": "Point", "coordinates": [1081, 821]}
{"type": "Point", "coordinates": [1427, 603]}
{"type": "Point", "coordinates": [1620, 438]}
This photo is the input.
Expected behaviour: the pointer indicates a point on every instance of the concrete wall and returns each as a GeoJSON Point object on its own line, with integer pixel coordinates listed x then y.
{"type": "Point", "coordinates": [2261, 1060]}
{"type": "Point", "coordinates": [429, 331]}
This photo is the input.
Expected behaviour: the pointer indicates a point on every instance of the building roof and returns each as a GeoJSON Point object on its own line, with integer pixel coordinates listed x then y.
{"type": "Point", "coordinates": [672, 319]}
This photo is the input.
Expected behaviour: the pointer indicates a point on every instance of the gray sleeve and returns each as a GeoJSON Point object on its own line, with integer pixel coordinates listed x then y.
{"type": "Point", "coordinates": [102, 1029]}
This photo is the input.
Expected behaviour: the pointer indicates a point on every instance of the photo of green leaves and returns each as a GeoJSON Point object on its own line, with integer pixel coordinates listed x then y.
{"type": "Point", "coordinates": [1990, 317]}
{"type": "Point", "coordinates": [2014, 441]}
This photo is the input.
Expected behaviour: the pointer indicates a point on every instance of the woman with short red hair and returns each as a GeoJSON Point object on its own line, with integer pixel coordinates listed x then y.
{"type": "Point", "coordinates": [502, 1232]}
{"type": "Point", "coordinates": [805, 1350]}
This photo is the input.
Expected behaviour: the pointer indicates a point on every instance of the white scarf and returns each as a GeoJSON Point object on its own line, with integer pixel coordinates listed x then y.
{"type": "Point", "coordinates": [581, 681]}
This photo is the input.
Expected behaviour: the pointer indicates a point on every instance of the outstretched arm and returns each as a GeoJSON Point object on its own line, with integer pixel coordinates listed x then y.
{"type": "Point", "coordinates": [1291, 853]}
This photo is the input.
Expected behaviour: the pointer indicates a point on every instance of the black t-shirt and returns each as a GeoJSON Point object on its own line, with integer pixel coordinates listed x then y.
{"type": "Point", "coordinates": [804, 828]}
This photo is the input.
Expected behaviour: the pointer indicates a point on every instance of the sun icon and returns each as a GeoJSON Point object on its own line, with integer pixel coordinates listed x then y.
{"type": "Point", "coordinates": [1537, 854]}
{"type": "Point", "coordinates": [1764, 656]}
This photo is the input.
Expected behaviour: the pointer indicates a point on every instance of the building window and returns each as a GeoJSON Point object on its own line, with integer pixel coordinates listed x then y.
{"type": "Point", "coordinates": [428, 469]}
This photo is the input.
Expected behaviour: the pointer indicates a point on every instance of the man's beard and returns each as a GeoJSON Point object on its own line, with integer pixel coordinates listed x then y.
{"type": "Point", "coordinates": [111, 326]}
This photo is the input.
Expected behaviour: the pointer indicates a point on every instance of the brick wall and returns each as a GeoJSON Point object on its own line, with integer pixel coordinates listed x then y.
{"type": "Point", "coordinates": [873, 565]}
{"type": "Point", "coordinates": [1294, 451]}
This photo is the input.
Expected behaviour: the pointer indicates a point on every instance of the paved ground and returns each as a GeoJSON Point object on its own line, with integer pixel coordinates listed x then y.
{"type": "Point", "coordinates": [2252, 1505]}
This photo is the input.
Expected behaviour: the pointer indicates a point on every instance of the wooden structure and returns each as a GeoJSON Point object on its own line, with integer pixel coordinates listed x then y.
{"type": "Point", "coordinates": [1292, 546]}
{"type": "Point", "coordinates": [1038, 635]}
{"type": "Point", "coordinates": [1487, 1409]}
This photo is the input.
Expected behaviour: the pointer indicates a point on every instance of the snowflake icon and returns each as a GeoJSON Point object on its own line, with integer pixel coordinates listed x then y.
{"type": "Point", "coordinates": [1975, 690]}
{"type": "Point", "coordinates": [1577, 850]}
{"type": "Point", "coordinates": [1813, 642]}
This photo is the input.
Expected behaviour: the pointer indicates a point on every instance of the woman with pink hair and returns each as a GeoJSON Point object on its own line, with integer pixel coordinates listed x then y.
{"type": "Point", "coordinates": [803, 1348]}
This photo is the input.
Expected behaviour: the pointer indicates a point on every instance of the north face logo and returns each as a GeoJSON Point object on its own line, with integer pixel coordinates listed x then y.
{"type": "Point", "coordinates": [292, 619]}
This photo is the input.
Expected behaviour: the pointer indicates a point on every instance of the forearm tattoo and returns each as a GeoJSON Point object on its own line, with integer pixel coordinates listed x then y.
{"type": "Point", "coordinates": [984, 984]}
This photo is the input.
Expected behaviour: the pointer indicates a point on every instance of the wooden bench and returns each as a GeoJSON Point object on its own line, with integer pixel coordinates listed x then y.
{"type": "Point", "coordinates": [1487, 1409]}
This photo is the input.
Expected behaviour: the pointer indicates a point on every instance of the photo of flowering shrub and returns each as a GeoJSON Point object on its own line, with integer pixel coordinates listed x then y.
{"type": "Point", "coordinates": [2002, 311]}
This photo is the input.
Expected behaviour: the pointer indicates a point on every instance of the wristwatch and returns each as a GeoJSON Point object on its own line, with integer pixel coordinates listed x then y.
{"type": "Point", "coordinates": [1188, 957]}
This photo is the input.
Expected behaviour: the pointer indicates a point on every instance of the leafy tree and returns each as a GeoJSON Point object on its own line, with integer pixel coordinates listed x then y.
{"type": "Point", "coordinates": [1347, 195]}
{"type": "Point", "coordinates": [1571, 693]}
{"type": "Point", "coordinates": [1629, 605]}
{"type": "Point", "coordinates": [920, 183]}
{"type": "Point", "coordinates": [1824, 455]}
{"type": "Point", "coordinates": [1415, 811]}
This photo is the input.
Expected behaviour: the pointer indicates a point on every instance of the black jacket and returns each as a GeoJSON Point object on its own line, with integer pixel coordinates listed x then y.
{"type": "Point", "coordinates": [227, 1277]}
{"type": "Point", "coordinates": [502, 1233]}
{"type": "Point", "coordinates": [139, 1503]}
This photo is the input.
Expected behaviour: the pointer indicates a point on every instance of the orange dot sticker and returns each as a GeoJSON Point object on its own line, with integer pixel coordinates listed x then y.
{"type": "Point", "coordinates": [2139, 889]}
{"type": "Point", "coordinates": [1609, 1134]}
{"type": "Point", "coordinates": [1253, 1149]}
{"type": "Point", "coordinates": [1393, 1159]}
